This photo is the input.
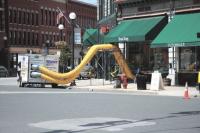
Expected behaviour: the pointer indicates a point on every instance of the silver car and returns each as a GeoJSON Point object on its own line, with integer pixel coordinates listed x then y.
{"type": "Point", "coordinates": [87, 72]}
{"type": "Point", "coordinates": [3, 72]}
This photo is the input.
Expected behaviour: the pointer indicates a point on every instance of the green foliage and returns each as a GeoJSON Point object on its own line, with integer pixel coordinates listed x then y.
{"type": "Point", "coordinates": [65, 55]}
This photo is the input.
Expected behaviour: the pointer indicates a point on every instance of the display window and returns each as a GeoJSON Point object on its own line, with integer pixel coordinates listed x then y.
{"type": "Point", "coordinates": [161, 62]}
{"type": "Point", "coordinates": [140, 56]}
{"type": "Point", "coordinates": [189, 58]}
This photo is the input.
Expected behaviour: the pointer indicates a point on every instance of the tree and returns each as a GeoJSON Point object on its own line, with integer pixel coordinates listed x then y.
{"type": "Point", "coordinates": [65, 54]}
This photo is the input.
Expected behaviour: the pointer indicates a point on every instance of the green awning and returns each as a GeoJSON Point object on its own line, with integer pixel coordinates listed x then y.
{"type": "Point", "coordinates": [90, 37]}
{"type": "Point", "coordinates": [134, 30]}
{"type": "Point", "coordinates": [180, 32]}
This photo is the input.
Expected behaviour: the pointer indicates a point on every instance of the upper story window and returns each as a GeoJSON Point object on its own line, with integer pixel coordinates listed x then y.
{"type": "Point", "coordinates": [20, 16]}
{"type": "Point", "coordinates": [37, 19]}
{"type": "Point", "coordinates": [42, 16]}
{"type": "Point", "coordinates": [23, 16]}
{"type": "Point", "coordinates": [14, 16]}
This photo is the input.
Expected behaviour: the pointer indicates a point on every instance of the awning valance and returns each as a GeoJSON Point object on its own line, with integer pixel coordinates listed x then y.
{"type": "Point", "coordinates": [180, 32]}
{"type": "Point", "coordinates": [136, 30]}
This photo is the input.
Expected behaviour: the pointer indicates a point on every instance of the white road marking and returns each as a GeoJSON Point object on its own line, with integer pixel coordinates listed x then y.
{"type": "Point", "coordinates": [67, 92]}
{"type": "Point", "coordinates": [96, 123]}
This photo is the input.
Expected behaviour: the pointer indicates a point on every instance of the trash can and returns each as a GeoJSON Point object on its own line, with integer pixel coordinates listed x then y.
{"type": "Point", "coordinates": [117, 82]}
{"type": "Point", "coordinates": [141, 82]}
{"type": "Point", "coordinates": [167, 82]}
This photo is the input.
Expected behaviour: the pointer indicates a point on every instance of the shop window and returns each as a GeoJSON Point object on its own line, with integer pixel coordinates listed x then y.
{"type": "Point", "coordinates": [161, 59]}
{"type": "Point", "coordinates": [139, 56]}
{"type": "Point", "coordinates": [197, 59]}
{"type": "Point", "coordinates": [187, 59]}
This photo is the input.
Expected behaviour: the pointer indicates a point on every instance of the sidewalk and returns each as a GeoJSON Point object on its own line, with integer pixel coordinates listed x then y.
{"type": "Point", "coordinates": [102, 85]}
{"type": "Point", "coordinates": [132, 87]}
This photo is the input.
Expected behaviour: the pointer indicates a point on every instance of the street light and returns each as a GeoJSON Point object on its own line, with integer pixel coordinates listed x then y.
{"type": "Point", "coordinates": [72, 17]}
{"type": "Point", "coordinates": [61, 27]}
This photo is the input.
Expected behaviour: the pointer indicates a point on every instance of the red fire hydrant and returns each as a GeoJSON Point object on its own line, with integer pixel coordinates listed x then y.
{"type": "Point", "coordinates": [124, 81]}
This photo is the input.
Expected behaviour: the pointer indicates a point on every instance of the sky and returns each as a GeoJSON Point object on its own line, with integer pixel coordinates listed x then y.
{"type": "Point", "coordinates": [90, 1]}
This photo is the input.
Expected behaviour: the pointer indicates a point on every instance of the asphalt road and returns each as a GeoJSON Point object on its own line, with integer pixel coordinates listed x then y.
{"type": "Point", "coordinates": [47, 110]}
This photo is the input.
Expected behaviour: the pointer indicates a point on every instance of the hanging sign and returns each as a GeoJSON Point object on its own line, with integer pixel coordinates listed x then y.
{"type": "Point", "coordinates": [77, 35]}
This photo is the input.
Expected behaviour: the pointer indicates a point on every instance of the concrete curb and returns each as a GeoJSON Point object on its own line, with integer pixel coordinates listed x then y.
{"type": "Point", "coordinates": [100, 85]}
{"type": "Point", "coordinates": [177, 91]}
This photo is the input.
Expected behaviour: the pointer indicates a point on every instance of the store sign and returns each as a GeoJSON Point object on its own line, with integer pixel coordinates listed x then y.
{"type": "Point", "coordinates": [123, 39]}
{"type": "Point", "coordinates": [77, 35]}
{"type": "Point", "coordinates": [176, 44]}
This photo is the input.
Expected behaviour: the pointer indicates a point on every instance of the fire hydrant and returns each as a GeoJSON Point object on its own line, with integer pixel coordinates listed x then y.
{"type": "Point", "coordinates": [124, 81]}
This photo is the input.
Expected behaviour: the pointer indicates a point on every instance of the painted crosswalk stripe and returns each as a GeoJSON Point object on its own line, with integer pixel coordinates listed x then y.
{"type": "Point", "coordinates": [95, 123]}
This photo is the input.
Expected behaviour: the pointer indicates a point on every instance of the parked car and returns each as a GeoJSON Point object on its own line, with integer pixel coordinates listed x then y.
{"type": "Point", "coordinates": [87, 72]}
{"type": "Point", "coordinates": [3, 72]}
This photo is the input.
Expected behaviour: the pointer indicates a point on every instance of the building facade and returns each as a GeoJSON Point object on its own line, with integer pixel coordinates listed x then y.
{"type": "Point", "coordinates": [136, 41]}
{"type": "Point", "coordinates": [31, 25]}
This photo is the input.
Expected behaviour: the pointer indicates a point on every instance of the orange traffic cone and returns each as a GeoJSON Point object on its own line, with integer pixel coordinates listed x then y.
{"type": "Point", "coordinates": [186, 93]}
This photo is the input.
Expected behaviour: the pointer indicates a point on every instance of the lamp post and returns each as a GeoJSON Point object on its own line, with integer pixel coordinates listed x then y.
{"type": "Point", "coordinates": [61, 27]}
{"type": "Point", "coordinates": [72, 17]}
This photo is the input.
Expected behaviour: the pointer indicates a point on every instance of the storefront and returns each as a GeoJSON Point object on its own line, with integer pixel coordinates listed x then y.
{"type": "Point", "coordinates": [181, 35]}
{"type": "Point", "coordinates": [133, 37]}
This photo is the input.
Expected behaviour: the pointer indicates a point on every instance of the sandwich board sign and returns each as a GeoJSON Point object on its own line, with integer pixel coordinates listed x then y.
{"type": "Point", "coordinates": [156, 81]}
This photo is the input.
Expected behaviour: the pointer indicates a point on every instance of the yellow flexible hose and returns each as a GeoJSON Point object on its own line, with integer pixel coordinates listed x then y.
{"type": "Point", "coordinates": [64, 78]}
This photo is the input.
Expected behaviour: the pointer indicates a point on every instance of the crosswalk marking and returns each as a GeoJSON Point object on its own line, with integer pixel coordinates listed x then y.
{"type": "Point", "coordinates": [95, 123]}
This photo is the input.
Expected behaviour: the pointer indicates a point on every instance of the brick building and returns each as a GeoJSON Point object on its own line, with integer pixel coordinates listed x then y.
{"type": "Point", "coordinates": [27, 25]}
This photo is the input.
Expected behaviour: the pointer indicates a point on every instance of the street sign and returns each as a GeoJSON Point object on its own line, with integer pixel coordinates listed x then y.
{"type": "Point", "coordinates": [77, 35]}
